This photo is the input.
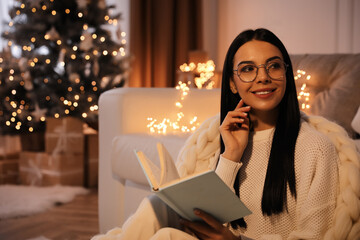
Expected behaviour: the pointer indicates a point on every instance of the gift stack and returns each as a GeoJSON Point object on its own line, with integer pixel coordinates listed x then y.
{"type": "Point", "coordinates": [10, 147]}
{"type": "Point", "coordinates": [63, 160]}
{"type": "Point", "coordinates": [91, 159]}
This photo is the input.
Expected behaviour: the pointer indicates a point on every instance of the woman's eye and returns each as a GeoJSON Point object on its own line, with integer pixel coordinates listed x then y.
{"type": "Point", "coordinates": [274, 65]}
{"type": "Point", "coordinates": [247, 68]}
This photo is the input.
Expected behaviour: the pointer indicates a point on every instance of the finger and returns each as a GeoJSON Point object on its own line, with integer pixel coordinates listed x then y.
{"type": "Point", "coordinates": [235, 118]}
{"type": "Point", "coordinates": [198, 228]}
{"type": "Point", "coordinates": [243, 109]}
{"type": "Point", "coordinates": [238, 113]}
{"type": "Point", "coordinates": [202, 236]}
{"type": "Point", "coordinates": [210, 220]}
{"type": "Point", "coordinates": [240, 104]}
{"type": "Point", "coordinates": [188, 230]}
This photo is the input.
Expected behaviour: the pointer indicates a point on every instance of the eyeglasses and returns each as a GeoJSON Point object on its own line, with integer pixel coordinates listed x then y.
{"type": "Point", "coordinates": [248, 72]}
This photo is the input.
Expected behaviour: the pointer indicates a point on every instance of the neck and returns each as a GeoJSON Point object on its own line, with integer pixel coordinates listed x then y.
{"type": "Point", "coordinates": [263, 120]}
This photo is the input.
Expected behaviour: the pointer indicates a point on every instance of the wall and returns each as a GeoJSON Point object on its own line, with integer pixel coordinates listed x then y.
{"type": "Point", "coordinates": [4, 17]}
{"type": "Point", "coordinates": [305, 26]}
{"type": "Point", "coordinates": [210, 27]}
{"type": "Point", "coordinates": [123, 7]}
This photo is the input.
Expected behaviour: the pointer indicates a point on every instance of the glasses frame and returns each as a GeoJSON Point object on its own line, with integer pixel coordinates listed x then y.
{"type": "Point", "coordinates": [257, 71]}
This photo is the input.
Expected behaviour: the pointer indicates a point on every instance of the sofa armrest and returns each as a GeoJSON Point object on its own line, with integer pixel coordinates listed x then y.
{"type": "Point", "coordinates": [125, 111]}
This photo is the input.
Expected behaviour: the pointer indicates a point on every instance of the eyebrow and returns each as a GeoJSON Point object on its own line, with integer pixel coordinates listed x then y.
{"type": "Point", "coordinates": [268, 60]}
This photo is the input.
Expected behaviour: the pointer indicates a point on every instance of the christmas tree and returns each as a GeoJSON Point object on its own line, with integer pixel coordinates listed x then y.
{"type": "Point", "coordinates": [63, 56]}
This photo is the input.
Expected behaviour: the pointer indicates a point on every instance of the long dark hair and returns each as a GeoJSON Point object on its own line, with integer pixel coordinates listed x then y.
{"type": "Point", "coordinates": [280, 170]}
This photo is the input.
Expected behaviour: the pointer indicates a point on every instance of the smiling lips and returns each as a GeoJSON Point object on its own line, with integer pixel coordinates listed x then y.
{"type": "Point", "coordinates": [264, 92]}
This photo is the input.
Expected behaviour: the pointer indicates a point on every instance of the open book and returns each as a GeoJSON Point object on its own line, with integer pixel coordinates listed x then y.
{"type": "Point", "coordinates": [205, 191]}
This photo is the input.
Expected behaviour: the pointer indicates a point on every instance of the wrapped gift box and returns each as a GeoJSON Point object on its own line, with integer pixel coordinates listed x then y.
{"type": "Point", "coordinates": [64, 135]}
{"type": "Point", "coordinates": [33, 141]}
{"type": "Point", "coordinates": [43, 169]}
{"type": "Point", "coordinates": [10, 146]}
{"type": "Point", "coordinates": [91, 160]}
{"type": "Point", "coordinates": [59, 178]}
{"type": "Point", "coordinates": [68, 124]}
{"type": "Point", "coordinates": [64, 143]}
{"type": "Point", "coordinates": [9, 171]}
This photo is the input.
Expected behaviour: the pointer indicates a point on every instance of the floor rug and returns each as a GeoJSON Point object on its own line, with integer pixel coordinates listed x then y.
{"type": "Point", "coordinates": [18, 201]}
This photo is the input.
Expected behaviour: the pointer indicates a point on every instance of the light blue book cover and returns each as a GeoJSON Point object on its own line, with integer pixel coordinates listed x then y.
{"type": "Point", "coordinates": [205, 191]}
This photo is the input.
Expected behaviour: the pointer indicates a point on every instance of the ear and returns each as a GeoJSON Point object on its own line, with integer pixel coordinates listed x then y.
{"type": "Point", "coordinates": [233, 87]}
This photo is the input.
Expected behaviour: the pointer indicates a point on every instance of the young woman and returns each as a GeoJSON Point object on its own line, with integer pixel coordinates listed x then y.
{"type": "Point", "coordinates": [282, 169]}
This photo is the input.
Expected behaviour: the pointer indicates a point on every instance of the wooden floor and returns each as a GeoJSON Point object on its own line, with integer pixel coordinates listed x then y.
{"type": "Point", "coordinates": [75, 220]}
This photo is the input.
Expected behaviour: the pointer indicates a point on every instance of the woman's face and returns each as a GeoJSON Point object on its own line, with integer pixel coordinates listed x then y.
{"type": "Point", "coordinates": [264, 93]}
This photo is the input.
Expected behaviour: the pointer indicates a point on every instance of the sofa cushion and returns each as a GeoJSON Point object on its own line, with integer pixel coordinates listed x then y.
{"type": "Point", "coordinates": [334, 85]}
{"type": "Point", "coordinates": [124, 162]}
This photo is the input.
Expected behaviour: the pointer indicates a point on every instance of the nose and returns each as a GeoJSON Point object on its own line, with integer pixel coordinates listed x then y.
{"type": "Point", "coordinates": [262, 75]}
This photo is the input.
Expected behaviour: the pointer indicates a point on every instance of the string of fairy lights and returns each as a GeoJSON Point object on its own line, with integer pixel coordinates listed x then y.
{"type": "Point", "coordinates": [82, 49]}
{"type": "Point", "coordinates": [203, 72]}
{"type": "Point", "coordinates": [304, 93]}
{"type": "Point", "coordinates": [167, 125]}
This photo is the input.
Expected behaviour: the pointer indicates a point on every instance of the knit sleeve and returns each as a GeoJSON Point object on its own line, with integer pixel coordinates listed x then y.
{"type": "Point", "coordinates": [317, 190]}
{"type": "Point", "coordinates": [227, 170]}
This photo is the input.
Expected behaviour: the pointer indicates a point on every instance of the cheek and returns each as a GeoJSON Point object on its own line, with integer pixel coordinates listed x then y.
{"type": "Point", "coordinates": [242, 88]}
{"type": "Point", "coordinates": [283, 89]}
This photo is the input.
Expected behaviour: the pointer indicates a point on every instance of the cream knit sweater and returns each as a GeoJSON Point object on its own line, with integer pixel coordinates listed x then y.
{"type": "Point", "coordinates": [201, 151]}
{"type": "Point", "coordinates": [316, 168]}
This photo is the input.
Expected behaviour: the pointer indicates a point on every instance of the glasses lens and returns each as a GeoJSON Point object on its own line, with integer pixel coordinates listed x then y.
{"type": "Point", "coordinates": [247, 72]}
{"type": "Point", "coordinates": [276, 69]}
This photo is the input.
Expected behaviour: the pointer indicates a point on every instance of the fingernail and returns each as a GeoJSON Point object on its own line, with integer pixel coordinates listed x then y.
{"type": "Point", "coordinates": [197, 211]}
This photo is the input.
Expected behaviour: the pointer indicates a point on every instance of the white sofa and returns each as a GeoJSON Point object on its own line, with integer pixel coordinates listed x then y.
{"type": "Point", "coordinates": [334, 88]}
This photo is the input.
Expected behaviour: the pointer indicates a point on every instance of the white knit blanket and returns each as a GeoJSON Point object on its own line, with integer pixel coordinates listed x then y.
{"type": "Point", "coordinates": [202, 150]}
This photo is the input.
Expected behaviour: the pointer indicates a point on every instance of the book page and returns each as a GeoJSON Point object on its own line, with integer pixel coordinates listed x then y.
{"type": "Point", "coordinates": [168, 169]}
{"type": "Point", "coordinates": [152, 172]}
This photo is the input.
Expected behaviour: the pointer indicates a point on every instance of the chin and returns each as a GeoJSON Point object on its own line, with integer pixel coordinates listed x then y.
{"type": "Point", "coordinates": [267, 108]}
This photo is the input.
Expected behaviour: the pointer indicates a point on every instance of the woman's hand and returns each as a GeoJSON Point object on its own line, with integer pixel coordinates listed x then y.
{"type": "Point", "coordinates": [209, 229]}
{"type": "Point", "coordinates": [234, 131]}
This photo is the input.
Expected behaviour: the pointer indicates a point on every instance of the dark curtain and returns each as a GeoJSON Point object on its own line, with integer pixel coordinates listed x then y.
{"type": "Point", "coordinates": [162, 32]}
